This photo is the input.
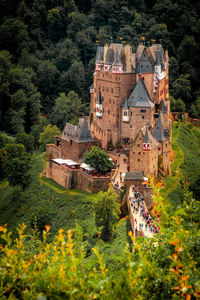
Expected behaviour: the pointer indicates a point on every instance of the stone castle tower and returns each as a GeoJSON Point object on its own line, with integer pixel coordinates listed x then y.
{"type": "Point", "coordinates": [130, 102]}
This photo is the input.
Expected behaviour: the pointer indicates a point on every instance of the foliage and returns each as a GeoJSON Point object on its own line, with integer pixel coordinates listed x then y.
{"type": "Point", "coordinates": [195, 109]}
{"type": "Point", "coordinates": [98, 159]}
{"type": "Point", "coordinates": [48, 135]}
{"type": "Point", "coordinates": [167, 269]}
{"type": "Point", "coordinates": [5, 139]}
{"type": "Point", "coordinates": [49, 49]}
{"type": "Point", "coordinates": [17, 165]}
{"type": "Point", "coordinates": [106, 213]}
{"type": "Point", "coordinates": [67, 109]}
{"type": "Point", "coordinates": [25, 139]}
{"type": "Point", "coordinates": [177, 105]}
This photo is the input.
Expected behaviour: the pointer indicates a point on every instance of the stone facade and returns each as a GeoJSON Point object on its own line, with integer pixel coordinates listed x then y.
{"type": "Point", "coordinates": [76, 178]}
{"type": "Point", "coordinates": [130, 92]}
{"type": "Point", "coordinates": [129, 105]}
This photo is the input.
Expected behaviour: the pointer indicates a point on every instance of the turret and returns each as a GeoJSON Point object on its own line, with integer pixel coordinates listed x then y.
{"type": "Point", "coordinates": [99, 109]}
{"type": "Point", "coordinates": [147, 141]}
{"type": "Point", "coordinates": [99, 59]}
{"type": "Point", "coordinates": [117, 67]}
{"type": "Point", "coordinates": [109, 60]}
{"type": "Point", "coordinates": [125, 112]}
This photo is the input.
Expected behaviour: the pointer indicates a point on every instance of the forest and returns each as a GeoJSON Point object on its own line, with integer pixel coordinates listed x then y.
{"type": "Point", "coordinates": [47, 55]}
{"type": "Point", "coordinates": [48, 50]}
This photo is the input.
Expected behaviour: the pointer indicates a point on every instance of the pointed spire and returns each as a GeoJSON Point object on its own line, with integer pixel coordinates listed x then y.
{"type": "Point", "coordinates": [109, 57]}
{"type": "Point", "coordinates": [146, 137]}
{"type": "Point", "coordinates": [158, 132]}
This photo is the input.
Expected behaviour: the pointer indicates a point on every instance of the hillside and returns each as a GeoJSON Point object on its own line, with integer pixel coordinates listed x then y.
{"type": "Point", "coordinates": [77, 264]}
{"type": "Point", "coordinates": [47, 52]}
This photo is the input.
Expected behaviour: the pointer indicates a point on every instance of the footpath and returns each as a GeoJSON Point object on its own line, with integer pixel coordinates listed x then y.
{"type": "Point", "coordinates": [142, 224]}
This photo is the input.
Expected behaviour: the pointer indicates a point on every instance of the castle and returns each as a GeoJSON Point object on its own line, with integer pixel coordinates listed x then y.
{"type": "Point", "coordinates": [129, 107]}
{"type": "Point", "coordinates": [130, 104]}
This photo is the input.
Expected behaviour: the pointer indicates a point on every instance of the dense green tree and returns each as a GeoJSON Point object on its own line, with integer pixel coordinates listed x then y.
{"type": "Point", "coordinates": [3, 161]}
{"type": "Point", "coordinates": [182, 88]}
{"type": "Point", "coordinates": [47, 136]}
{"type": "Point", "coordinates": [14, 36]}
{"type": "Point", "coordinates": [18, 165]}
{"type": "Point", "coordinates": [195, 109]}
{"type": "Point", "coordinates": [25, 139]}
{"type": "Point", "coordinates": [107, 213]}
{"type": "Point", "coordinates": [98, 159]}
{"type": "Point", "coordinates": [37, 128]}
{"type": "Point", "coordinates": [177, 105]}
{"type": "Point", "coordinates": [6, 139]}
{"type": "Point", "coordinates": [67, 109]}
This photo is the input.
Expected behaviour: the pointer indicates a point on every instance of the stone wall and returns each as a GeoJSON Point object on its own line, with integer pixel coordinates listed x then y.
{"type": "Point", "coordinates": [76, 178]}
{"type": "Point", "coordinates": [73, 150]}
{"type": "Point", "coordinates": [60, 174]}
{"type": "Point", "coordinates": [114, 89]}
{"type": "Point", "coordinates": [145, 191]}
{"type": "Point", "coordinates": [53, 151]}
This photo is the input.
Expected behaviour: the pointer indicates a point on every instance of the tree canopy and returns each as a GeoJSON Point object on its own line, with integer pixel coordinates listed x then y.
{"type": "Point", "coordinates": [98, 159]}
{"type": "Point", "coordinates": [107, 213]}
{"type": "Point", "coordinates": [48, 48]}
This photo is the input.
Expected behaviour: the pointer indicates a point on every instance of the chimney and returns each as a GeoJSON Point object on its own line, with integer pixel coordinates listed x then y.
{"type": "Point", "coordinates": [128, 52]}
{"type": "Point", "coordinates": [105, 52]}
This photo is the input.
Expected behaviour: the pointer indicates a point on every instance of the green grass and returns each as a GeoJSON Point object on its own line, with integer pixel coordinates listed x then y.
{"type": "Point", "coordinates": [58, 207]}
{"type": "Point", "coordinates": [186, 165]}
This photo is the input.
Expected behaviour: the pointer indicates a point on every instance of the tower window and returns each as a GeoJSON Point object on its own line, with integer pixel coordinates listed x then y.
{"type": "Point", "coordinates": [142, 117]}
{"type": "Point", "coordinates": [112, 90]}
{"type": "Point", "coordinates": [109, 111]}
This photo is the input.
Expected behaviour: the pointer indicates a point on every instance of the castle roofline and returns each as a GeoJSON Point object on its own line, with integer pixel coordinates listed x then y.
{"type": "Point", "coordinates": [158, 132]}
{"type": "Point", "coordinates": [139, 96]}
{"type": "Point", "coordinates": [79, 133]}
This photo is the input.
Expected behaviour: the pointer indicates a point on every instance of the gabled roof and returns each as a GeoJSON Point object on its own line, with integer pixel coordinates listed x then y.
{"type": "Point", "coordinates": [146, 62]}
{"type": "Point", "coordinates": [117, 60]}
{"type": "Point", "coordinates": [99, 54]}
{"type": "Point", "coordinates": [79, 133]}
{"type": "Point", "coordinates": [148, 138]}
{"type": "Point", "coordinates": [139, 97]}
{"type": "Point", "coordinates": [137, 175]}
{"type": "Point", "coordinates": [158, 132]}
{"type": "Point", "coordinates": [125, 104]}
{"type": "Point", "coordinates": [92, 86]}
{"type": "Point", "coordinates": [109, 57]}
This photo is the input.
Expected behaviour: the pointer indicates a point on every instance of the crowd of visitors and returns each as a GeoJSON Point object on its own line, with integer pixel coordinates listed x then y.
{"type": "Point", "coordinates": [138, 207]}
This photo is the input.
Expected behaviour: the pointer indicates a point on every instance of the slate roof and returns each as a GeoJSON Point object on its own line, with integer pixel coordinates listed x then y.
{"type": "Point", "coordinates": [117, 60]}
{"type": "Point", "coordinates": [79, 133]}
{"type": "Point", "coordinates": [137, 175]}
{"type": "Point", "coordinates": [146, 62]}
{"type": "Point", "coordinates": [148, 138]}
{"type": "Point", "coordinates": [109, 57]}
{"type": "Point", "coordinates": [158, 132]}
{"type": "Point", "coordinates": [126, 103]}
{"type": "Point", "coordinates": [100, 54]}
{"type": "Point", "coordinates": [139, 96]}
